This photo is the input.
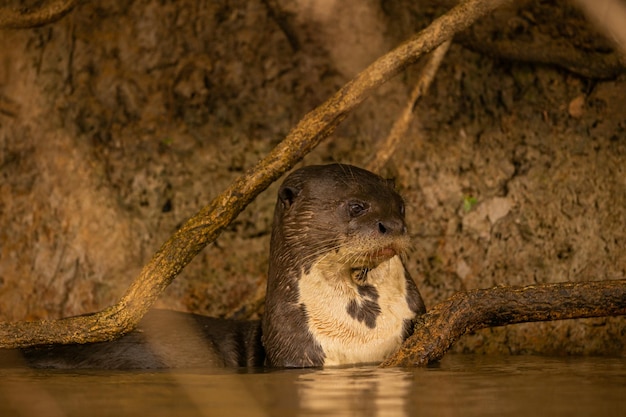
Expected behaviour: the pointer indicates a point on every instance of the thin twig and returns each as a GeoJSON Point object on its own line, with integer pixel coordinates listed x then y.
{"type": "Point", "coordinates": [401, 125]}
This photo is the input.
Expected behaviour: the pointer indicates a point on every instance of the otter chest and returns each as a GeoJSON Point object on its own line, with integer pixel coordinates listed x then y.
{"type": "Point", "coordinates": [356, 322]}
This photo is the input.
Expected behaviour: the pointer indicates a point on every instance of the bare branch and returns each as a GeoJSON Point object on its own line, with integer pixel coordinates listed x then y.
{"type": "Point", "coordinates": [401, 125]}
{"type": "Point", "coordinates": [51, 12]}
{"type": "Point", "coordinates": [467, 311]}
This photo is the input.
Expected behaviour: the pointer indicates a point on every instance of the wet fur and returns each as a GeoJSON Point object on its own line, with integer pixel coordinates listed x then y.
{"type": "Point", "coordinates": [338, 292]}
{"type": "Point", "coordinates": [163, 339]}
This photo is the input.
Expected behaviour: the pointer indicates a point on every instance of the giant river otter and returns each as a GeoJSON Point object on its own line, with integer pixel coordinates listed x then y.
{"type": "Point", "coordinates": [337, 291]}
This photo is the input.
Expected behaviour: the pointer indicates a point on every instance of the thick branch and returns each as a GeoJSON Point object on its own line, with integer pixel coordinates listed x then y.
{"type": "Point", "coordinates": [467, 311]}
{"type": "Point", "coordinates": [51, 12]}
{"type": "Point", "coordinates": [205, 226]}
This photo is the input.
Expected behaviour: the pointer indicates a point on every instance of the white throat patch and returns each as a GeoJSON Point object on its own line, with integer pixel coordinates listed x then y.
{"type": "Point", "coordinates": [328, 296]}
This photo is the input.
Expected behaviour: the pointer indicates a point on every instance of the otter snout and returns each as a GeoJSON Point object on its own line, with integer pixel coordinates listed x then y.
{"type": "Point", "coordinates": [391, 227]}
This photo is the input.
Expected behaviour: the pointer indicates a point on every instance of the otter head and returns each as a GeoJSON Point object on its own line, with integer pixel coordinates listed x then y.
{"type": "Point", "coordinates": [339, 214]}
{"type": "Point", "coordinates": [337, 290]}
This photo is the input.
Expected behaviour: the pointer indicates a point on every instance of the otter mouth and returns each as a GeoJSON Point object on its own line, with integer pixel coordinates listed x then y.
{"type": "Point", "coordinates": [374, 258]}
{"type": "Point", "coordinates": [371, 260]}
{"type": "Point", "coordinates": [382, 254]}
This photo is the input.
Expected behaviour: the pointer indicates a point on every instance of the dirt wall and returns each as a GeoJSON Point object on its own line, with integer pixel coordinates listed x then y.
{"type": "Point", "coordinates": [123, 118]}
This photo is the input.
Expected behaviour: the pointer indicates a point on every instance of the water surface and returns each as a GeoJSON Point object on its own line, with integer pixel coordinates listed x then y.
{"type": "Point", "coordinates": [461, 385]}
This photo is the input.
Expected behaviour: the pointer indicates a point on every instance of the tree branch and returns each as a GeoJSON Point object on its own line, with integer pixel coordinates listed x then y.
{"type": "Point", "coordinates": [207, 224]}
{"type": "Point", "coordinates": [464, 312]}
{"type": "Point", "coordinates": [386, 148]}
{"type": "Point", "coordinates": [51, 12]}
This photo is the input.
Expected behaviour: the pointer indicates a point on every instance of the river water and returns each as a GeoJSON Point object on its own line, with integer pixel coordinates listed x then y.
{"type": "Point", "coordinates": [461, 385]}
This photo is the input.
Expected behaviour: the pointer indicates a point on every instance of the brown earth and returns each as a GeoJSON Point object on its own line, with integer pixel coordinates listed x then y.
{"type": "Point", "coordinates": [123, 118]}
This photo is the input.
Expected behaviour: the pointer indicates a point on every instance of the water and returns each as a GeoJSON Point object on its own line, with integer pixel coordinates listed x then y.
{"type": "Point", "coordinates": [462, 385]}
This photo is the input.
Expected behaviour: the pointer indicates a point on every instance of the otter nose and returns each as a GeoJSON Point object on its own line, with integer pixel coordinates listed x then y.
{"type": "Point", "coordinates": [391, 226]}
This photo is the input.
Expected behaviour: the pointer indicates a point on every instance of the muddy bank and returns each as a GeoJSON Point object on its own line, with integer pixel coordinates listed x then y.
{"type": "Point", "coordinates": [122, 119]}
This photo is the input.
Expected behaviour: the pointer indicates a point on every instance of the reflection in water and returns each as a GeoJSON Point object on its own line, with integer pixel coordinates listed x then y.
{"type": "Point", "coordinates": [38, 402]}
{"type": "Point", "coordinates": [460, 386]}
{"type": "Point", "coordinates": [366, 391]}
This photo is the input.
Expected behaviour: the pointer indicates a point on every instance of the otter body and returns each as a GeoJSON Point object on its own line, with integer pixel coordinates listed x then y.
{"type": "Point", "coordinates": [163, 339]}
{"type": "Point", "coordinates": [337, 292]}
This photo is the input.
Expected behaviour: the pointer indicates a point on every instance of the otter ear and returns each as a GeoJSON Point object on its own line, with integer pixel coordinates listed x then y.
{"type": "Point", "coordinates": [391, 183]}
{"type": "Point", "coordinates": [287, 195]}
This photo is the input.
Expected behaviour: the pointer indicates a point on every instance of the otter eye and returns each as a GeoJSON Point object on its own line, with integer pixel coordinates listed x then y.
{"type": "Point", "coordinates": [357, 208]}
